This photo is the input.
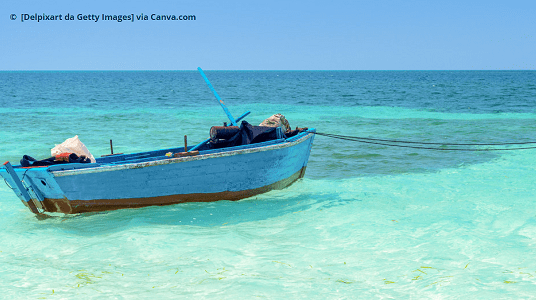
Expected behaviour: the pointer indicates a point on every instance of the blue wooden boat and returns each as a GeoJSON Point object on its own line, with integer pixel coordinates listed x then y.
{"type": "Point", "coordinates": [190, 174]}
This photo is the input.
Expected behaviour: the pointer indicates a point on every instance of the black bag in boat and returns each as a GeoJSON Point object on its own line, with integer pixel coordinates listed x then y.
{"type": "Point", "coordinates": [232, 136]}
{"type": "Point", "coordinates": [28, 161]}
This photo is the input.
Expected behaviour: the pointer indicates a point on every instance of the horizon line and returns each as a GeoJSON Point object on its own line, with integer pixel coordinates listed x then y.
{"type": "Point", "coordinates": [267, 70]}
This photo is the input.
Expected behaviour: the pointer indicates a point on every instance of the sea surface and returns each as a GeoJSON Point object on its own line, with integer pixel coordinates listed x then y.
{"type": "Point", "coordinates": [368, 221]}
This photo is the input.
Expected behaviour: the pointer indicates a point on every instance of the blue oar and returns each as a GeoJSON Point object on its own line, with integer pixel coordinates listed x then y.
{"type": "Point", "coordinates": [233, 121]}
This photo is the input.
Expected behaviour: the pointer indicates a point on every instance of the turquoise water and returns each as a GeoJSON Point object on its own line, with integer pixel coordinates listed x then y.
{"type": "Point", "coordinates": [367, 221]}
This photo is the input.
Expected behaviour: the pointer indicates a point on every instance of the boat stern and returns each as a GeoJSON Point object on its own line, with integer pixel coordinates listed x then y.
{"type": "Point", "coordinates": [33, 186]}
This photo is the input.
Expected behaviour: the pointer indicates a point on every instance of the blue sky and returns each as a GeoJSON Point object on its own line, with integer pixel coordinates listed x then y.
{"type": "Point", "coordinates": [273, 35]}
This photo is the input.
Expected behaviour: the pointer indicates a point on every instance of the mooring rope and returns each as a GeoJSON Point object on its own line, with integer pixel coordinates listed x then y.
{"type": "Point", "coordinates": [386, 142]}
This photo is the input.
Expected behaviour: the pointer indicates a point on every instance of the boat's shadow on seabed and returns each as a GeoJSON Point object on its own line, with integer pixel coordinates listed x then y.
{"type": "Point", "coordinates": [213, 214]}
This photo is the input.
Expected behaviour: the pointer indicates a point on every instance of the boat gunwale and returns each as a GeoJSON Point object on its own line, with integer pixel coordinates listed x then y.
{"type": "Point", "coordinates": [138, 165]}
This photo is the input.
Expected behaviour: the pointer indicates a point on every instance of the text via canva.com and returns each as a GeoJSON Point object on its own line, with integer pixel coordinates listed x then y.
{"type": "Point", "coordinates": [101, 17]}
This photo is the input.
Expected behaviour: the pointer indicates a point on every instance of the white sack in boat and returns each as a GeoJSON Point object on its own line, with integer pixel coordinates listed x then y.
{"type": "Point", "coordinates": [72, 145]}
{"type": "Point", "coordinates": [277, 120]}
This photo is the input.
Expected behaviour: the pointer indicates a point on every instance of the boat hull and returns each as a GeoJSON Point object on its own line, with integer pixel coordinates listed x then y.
{"type": "Point", "coordinates": [232, 174]}
{"type": "Point", "coordinates": [81, 206]}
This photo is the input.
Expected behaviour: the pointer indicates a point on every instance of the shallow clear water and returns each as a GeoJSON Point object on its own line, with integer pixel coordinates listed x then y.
{"type": "Point", "coordinates": [367, 221]}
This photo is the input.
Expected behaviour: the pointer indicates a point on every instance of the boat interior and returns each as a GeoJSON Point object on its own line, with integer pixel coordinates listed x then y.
{"type": "Point", "coordinates": [203, 148]}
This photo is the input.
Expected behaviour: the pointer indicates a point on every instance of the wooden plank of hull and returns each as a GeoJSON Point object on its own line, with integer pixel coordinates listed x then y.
{"type": "Point", "coordinates": [80, 206]}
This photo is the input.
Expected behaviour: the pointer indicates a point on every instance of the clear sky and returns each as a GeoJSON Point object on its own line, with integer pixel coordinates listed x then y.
{"type": "Point", "coordinates": [272, 35]}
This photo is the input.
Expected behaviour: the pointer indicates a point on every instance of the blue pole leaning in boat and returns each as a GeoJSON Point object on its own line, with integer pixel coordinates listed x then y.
{"type": "Point", "coordinates": [233, 121]}
{"type": "Point", "coordinates": [227, 112]}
